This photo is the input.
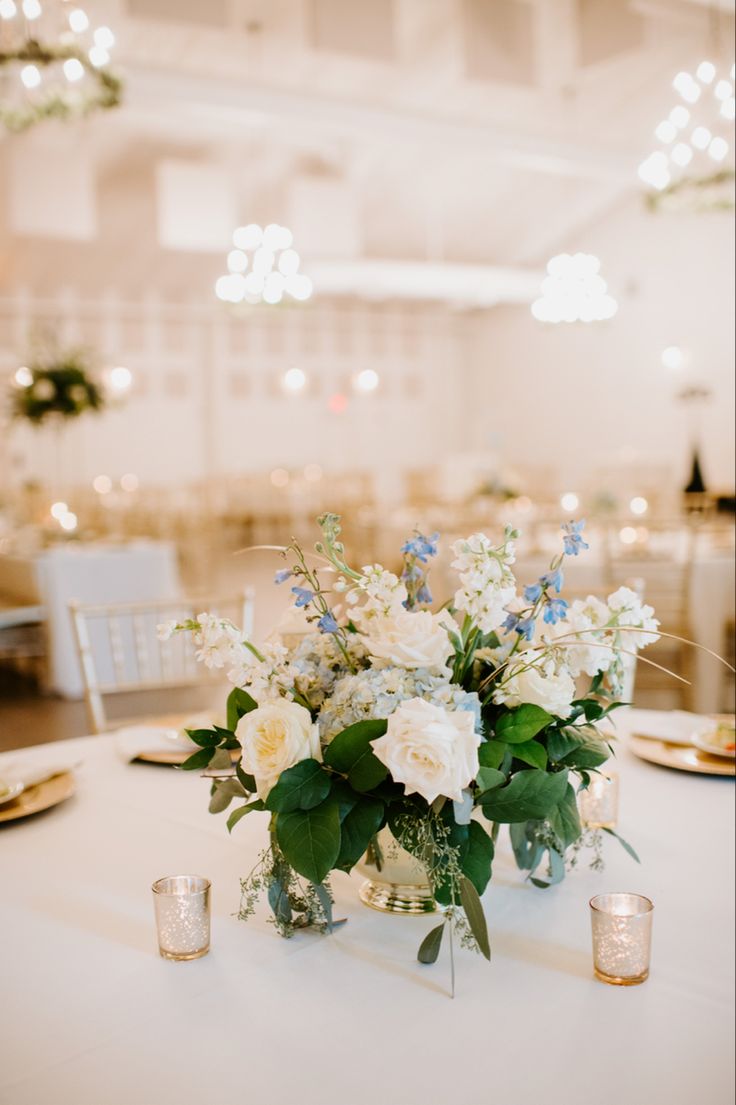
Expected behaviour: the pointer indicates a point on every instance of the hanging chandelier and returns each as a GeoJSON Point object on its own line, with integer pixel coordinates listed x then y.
{"type": "Point", "coordinates": [53, 63]}
{"type": "Point", "coordinates": [692, 166]}
{"type": "Point", "coordinates": [574, 291]}
{"type": "Point", "coordinates": [262, 267]}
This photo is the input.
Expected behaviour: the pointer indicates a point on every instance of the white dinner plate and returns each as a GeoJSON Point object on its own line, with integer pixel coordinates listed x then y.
{"type": "Point", "coordinates": [706, 742]}
{"type": "Point", "coordinates": [9, 790]}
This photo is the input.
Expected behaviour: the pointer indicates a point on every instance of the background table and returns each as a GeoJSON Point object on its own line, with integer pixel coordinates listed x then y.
{"type": "Point", "coordinates": [97, 572]}
{"type": "Point", "coordinates": [92, 1014]}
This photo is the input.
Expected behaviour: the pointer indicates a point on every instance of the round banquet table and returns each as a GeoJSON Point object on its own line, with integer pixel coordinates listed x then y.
{"type": "Point", "coordinates": [92, 1014]}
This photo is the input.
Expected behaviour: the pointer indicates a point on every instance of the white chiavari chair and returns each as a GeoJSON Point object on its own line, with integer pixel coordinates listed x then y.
{"type": "Point", "coordinates": [120, 653]}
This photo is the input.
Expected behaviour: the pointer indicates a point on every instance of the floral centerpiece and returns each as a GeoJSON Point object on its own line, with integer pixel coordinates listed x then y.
{"type": "Point", "coordinates": [438, 726]}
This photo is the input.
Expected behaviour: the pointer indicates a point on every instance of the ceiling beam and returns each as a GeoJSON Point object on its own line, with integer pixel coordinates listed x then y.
{"type": "Point", "coordinates": [208, 100]}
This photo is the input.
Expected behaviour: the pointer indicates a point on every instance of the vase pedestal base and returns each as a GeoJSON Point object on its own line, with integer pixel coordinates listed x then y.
{"type": "Point", "coordinates": [389, 897]}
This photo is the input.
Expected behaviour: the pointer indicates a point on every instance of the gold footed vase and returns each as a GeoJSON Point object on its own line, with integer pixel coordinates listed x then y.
{"type": "Point", "coordinates": [395, 881]}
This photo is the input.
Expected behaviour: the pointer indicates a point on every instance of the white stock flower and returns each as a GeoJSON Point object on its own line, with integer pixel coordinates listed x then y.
{"type": "Point", "coordinates": [487, 583]}
{"type": "Point", "coordinates": [275, 737]}
{"type": "Point", "coordinates": [266, 680]}
{"type": "Point", "coordinates": [384, 593]}
{"type": "Point", "coordinates": [627, 609]}
{"type": "Point", "coordinates": [430, 750]}
{"type": "Point", "coordinates": [409, 640]}
{"type": "Point", "coordinates": [166, 630]}
{"type": "Point", "coordinates": [218, 641]}
{"type": "Point", "coordinates": [585, 651]}
{"type": "Point", "coordinates": [539, 680]}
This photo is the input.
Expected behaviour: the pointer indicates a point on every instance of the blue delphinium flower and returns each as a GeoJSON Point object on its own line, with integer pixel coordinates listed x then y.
{"type": "Point", "coordinates": [553, 579]}
{"type": "Point", "coordinates": [303, 595]}
{"type": "Point", "coordinates": [525, 628]}
{"type": "Point", "coordinates": [411, 573]}
{"type": "Point", "coordinates": [572, 540]}
{"type": "Point", "coordinates": [555, 611]}
{"type": "Point", "coordinates": [424, 595]}
{"type": "Point", "coordinates": [511, 622]}
{"type": "Point", "coordinates": [421, 547]}
{"type": "Point", "coordinates": [533, 592]}
{"type": "Point", "coordinates": [282, 575]}
{"type": "Point", "coordinates": [327, 623]}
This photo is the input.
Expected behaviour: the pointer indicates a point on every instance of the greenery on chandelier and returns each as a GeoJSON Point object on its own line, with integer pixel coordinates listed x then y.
{"type": "Point", "coordinates": [103, 89]}
{"type": "Point", "coordinates": [714, 192]}
{"type": "Point", "coordinates": [58, 386]}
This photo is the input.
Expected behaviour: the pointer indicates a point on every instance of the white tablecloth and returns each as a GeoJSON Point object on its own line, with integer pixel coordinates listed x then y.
{"type": "Point", "coordinates": [93, 573]}
{"type": "Point", "coordinates": [93, 1015]}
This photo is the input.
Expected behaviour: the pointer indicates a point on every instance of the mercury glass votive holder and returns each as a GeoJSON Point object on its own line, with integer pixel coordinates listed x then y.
{"type": "Point", "coordinates": [622, 937]}
{"type": "Point", "coordinates": [598, 803]}
{"type": "Point", "coordinates": [182, 907]}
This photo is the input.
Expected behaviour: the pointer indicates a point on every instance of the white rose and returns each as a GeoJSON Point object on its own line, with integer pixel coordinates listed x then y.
{"type": "Point", "coordinates": [543, 685]}
{"type": "Point", "coordinates": [274, 737]}
{"type": "Point", "coordinates": [431, 751]}
{"type": "Point", "coordinates": [410, 640]}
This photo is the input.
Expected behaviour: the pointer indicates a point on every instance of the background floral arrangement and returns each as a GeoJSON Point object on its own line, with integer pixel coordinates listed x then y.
{"type": "Point", "coordinates": [387, 714]}
{"type": "Point", "coordinates": [61, 385]}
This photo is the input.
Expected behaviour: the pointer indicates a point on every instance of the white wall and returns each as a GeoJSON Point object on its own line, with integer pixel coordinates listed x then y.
{"type": "Point", "coordinates": [580, 397]}
{"type": "Point", "coordinates": [207, 398]}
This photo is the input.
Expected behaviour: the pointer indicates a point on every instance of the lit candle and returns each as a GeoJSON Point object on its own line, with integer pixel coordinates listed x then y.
{"type": "Point", "coordinates": [598, 803]}
{"type": "Point", "coordinates": [622, 936]}
{"type": "Point", "coordinates": [182, 907]}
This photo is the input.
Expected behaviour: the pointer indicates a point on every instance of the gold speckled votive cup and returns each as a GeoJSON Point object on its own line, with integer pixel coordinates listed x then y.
{"type": "Point", "coordinates": [622, 937]}
{"type": "Point", "coordinates": [182, 907]}
{"type": "Point", "coordinates": [598, 803]}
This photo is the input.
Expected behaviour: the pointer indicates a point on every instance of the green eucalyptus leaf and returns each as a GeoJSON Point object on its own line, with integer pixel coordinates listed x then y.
{"type": "Point", "coordinates": [325, 901]}
{"type": "Point", "coordinates": [528, 851]}
{"type": "Point", "coordinates": [198, 760]}
{"type": "Point", "coordinates": [562, 741]}
{"type": "Point", "coordinates": [239, 703]}
{"type": "Point", "coordinates": [556, 871]}
{"type": "Point", "coordinates": [361, 823]}
{"type": "Point", "coordinates": [521, 724]}
{"type": "Point", "coordinates": [221, 760]}
{"type": "Point", "coordinates": [477, 857]}
{"type": "Point", "coordinates": [430, 946]}
{"type": "Point", "coordinates": [491, 753]}
{"type": "Point", "coordinates": [300, 787]}
{"type": "Point", "coordinates": [310, 839]}
{"type": "Point", "coordinates": [531, 752]}
{"type": "Point", "coordinates": [278, 899]}
{"type": "Point", "coordinates": [247, 781]}
{"type": "Point", "coordinates": [591, 754]}
{"type": "Point", "coordinates": [241, 812]}
{"type": "Point", "coordinates": [624, 843]}
{"type": "Point", "coordinates": [205, 738]}
{"type": "Point", "coordinates": [473, 908]}
{"type": "Point", "coordinates": [565, 819]}
{"type": "Point", "coordinates": [530, 795]}
{"type": "Point", "coordinates": [488, 778]}
{"type": "Point", "coordinates": [350, 753]}
{"type": "Point", "coordinates": [223, 793]}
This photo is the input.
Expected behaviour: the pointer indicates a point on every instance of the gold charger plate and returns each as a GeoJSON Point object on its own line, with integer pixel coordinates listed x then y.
{"type": "Point", "coordinates": [41, 797]}
{"type": "Point", "coordinates": [175, 757]}
{"type": "Point", "coordinates": [683, 757]}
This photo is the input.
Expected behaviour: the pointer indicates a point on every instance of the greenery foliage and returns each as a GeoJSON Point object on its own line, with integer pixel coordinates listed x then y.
{"type": "Point", "coordinates": [61, 386]}
{"type": "Point", "coordinates": [106, 88]}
